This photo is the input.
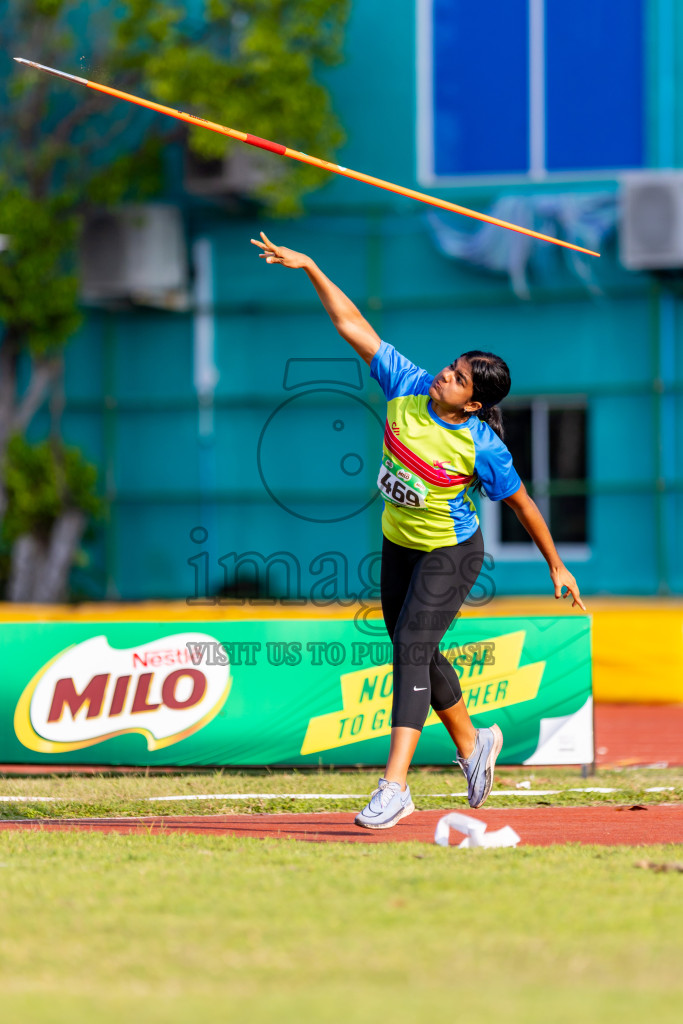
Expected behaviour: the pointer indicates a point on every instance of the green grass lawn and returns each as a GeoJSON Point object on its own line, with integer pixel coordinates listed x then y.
{"type": "Point", "coordinates": [80, 796]}
{"type": "Point", "coordinates": [180, 928]}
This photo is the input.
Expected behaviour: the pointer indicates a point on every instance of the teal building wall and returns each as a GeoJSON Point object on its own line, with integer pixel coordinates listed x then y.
{"type": "Point", "coordinates": [235, 469]}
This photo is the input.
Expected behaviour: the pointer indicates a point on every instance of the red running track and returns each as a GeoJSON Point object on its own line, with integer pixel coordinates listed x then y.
{"type": "Point", "coordinates": [537, 826]}
{"type": "Point", "coordinates": [632, 734]}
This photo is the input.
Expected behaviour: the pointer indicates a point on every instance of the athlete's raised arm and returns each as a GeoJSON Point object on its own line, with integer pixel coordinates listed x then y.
{"type": "Point", "coordinates": [346, 317]}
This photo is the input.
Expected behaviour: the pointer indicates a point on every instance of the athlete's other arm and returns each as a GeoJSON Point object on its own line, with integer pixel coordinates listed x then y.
{"type": "Point", "coordinates": [526, 510]}
{"type": "Point", "coordinates": [348, 320]}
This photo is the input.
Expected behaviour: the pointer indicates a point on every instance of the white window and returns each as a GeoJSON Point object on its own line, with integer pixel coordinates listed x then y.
{"type": "Point", "coordinates": [547, 440]}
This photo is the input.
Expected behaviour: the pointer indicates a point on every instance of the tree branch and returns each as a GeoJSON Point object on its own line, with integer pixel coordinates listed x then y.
{"type": "Point", "coordinates": [51, 582]}
{"type": "Point", "coordinates": [44, 373]}
{"type": "Point", "coordinates": [9, 355]}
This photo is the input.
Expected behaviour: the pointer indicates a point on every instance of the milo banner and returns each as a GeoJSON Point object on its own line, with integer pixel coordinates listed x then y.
{"type": "Point", "coordinates": [276, 692]}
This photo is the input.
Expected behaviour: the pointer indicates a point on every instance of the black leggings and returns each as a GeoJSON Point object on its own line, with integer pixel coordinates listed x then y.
{"type": "Point", "coordinates": [422, 592]}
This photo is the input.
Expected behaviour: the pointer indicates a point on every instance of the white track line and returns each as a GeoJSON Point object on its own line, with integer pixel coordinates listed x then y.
{"type": "Point", "coordinates": [332, 796]}
{"type": "Point", "coordinates": [31, 799]}
{"type": "Point", "coordinates": [264, 796]}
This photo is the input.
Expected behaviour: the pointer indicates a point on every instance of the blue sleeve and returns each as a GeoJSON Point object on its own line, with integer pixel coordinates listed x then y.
{"type": "Point", "coordinates": [493, 465]}
{"type": "Point", "coordinates": [396, 375]}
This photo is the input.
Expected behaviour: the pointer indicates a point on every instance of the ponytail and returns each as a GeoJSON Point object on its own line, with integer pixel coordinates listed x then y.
{"type": "Point", "coordinates": [492, 415]}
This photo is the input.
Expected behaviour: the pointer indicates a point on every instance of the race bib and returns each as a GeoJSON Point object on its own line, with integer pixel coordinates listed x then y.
{"type": "Point", "coordinates": [400, 486]}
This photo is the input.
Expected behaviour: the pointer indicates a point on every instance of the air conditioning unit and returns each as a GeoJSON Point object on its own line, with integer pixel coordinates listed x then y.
{"type": "Point", "coordinates": [651, 220]}
{"type": "Point", "coordinates": [135, 253]}
{"type": "Point", "coordinates": [240, 171]}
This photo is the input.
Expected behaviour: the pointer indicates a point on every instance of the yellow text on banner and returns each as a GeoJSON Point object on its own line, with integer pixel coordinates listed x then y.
{"type": "Point", "coordinates": [490, 677]}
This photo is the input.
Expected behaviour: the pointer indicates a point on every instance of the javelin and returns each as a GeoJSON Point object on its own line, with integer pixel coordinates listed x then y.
{"type": "Point", "coordinates": [293, 154]}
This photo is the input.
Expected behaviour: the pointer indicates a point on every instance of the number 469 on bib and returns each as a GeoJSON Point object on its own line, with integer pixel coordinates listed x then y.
{"type": "Point", "coordinates": [398, 492]}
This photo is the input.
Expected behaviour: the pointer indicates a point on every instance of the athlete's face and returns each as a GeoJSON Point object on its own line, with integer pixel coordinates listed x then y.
{"type": "Point", "coordinates": [451, 389]}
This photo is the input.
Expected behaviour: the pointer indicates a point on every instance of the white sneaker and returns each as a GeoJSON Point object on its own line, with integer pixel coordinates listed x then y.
{"type": "Point", "coordinates": [388, 804]}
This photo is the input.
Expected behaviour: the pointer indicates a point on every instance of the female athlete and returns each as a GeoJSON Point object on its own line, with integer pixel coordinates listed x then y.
{"type": "Point", "coordinates": [442, 440]}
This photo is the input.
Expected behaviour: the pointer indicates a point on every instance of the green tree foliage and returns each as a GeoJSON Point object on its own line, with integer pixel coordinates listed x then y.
{"type": "Point", "coordinates": [38, 285]}
{"type": "Point", "coordinates": [37, 482]}
{"type": "Point", "coordinates": [64, 149]}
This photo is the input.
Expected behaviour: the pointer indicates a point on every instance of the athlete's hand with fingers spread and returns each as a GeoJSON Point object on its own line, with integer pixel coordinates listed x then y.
{"type": "Point", "coordinates": [562, 577]}
{"type": "Point", "coordinates": [280, 254]}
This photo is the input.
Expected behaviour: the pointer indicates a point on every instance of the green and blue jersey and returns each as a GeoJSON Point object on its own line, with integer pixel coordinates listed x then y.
{"type": "Point", "coordinates": [428, 465]}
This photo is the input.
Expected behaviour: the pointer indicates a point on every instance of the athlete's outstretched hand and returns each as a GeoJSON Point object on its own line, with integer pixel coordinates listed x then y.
{"type": "Point", "coordinates": [348, 320]}
{"type": "Point", "coordinates": [562, 577]}
{"type": "Point", "coordinates": [280, 254]}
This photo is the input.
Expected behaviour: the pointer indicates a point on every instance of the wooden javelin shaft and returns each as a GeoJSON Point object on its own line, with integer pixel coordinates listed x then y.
{"type": "Point", "coordinates": [293, 154]}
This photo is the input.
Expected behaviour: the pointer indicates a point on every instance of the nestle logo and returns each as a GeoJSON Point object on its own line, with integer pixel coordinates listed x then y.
{"type": "Point", "coordinates": [154, 658]}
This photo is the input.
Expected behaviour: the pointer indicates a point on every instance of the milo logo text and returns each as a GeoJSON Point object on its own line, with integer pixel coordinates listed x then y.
{"type": "Point", "coordinates": [91, 692]}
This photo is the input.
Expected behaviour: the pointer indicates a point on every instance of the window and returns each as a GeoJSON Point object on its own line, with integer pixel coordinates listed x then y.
{"type": "Point", "coordinates": [529, 88]}
{"type": "Point", "coordinates": [548, 443]}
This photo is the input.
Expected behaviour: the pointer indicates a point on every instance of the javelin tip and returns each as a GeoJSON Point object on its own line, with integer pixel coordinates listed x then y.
{"type": "Point", "coordinates": [51, 71]}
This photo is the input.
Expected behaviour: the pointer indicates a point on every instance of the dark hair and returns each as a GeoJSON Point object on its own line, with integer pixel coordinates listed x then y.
{"type": "Point", "coordinates": [490, 384]}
